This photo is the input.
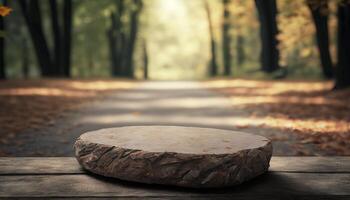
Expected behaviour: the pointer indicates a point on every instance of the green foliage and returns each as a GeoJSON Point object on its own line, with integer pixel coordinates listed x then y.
{"type": "Point", "coordinates": [177, 36]}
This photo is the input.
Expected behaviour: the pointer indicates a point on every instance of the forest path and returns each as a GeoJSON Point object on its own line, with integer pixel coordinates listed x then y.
{"type": "Point", "coordinates": [183, 103]}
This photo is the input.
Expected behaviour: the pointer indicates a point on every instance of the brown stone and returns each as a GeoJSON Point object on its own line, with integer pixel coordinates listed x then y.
{"type": "Point", "coordinates": [181, 156]}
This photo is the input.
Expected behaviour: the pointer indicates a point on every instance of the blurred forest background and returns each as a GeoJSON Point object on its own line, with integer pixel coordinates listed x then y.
{"type": "Point", "coordinates": [283, 66]}
{"type": "Point", "coordinates": [172, 39]}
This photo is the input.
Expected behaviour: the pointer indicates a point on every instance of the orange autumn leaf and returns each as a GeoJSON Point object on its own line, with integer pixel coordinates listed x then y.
{"type": "Point", "coordinates": [4, 11]}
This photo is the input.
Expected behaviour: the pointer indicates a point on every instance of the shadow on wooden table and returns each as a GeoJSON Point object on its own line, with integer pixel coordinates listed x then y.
{"type": "Point", "coordinates": [271, 184]}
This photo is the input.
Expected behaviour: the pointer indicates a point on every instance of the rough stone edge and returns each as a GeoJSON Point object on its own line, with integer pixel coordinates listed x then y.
{"type": "Point", "coordinates": [179, 169]}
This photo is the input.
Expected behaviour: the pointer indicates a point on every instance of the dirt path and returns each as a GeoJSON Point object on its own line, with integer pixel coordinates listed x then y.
{"type": "Point", "coordinates": [151, 103]}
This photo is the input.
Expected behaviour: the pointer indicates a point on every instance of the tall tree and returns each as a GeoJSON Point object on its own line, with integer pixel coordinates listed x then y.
{"type": "Point", "coordinates": [2, 46]}
{"type": "Point", "coordinates": [54, 62]}
{"type": "Point", "coordinates": [319, 11]}
{"type": "Point", "coordinates": [25, 57]}
{"type": "Point", "coordinates": [240, 54]}
{"type": "Point", "coordinates": [145, 60]}
{"type": "Point", "coordinates": [117, 38]}
{"type": "Point", "coordinates": [32, 15]}
{"type": "Point", "coordinates": [112, 45]}
{"type": "Point", "coordinates": [342, 70]}
{"type": "Point", "coordinates": [67, 37]}
{"type": "Point", "coordinates": [134, 26]}
{"type": "Point", "coordinates": [55, 24]}
{"type": "Point", "coordinates": [267, 12]}
{"type": "Point", "coordinates": [213, 63]}
{"type": "Point", "coordinates": [226, 38]}
{"type": "Point", "coordinates": [122, 36]}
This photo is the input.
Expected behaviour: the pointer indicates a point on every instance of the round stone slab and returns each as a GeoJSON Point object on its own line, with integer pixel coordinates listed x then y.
{"type": "Point", "coordinates": [172, 155]}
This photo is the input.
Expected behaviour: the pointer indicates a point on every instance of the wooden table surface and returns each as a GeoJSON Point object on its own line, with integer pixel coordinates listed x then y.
{"type": "Point", "coordinates": [62, 177]}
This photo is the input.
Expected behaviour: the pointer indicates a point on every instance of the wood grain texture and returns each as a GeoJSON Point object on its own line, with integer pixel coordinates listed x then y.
{"type": "Point", "coordinates": [289, 178]}
{"type": "Point", "coordinates": [69, 165]}
{"type": "Point", "coordinates": [281, 183]}
{"type": "Point", "coordinates": [39, 165]}
{"type": "Point", "coordinates": [312, 164]}
{"type": "Point", "coordinates": [236, 197]}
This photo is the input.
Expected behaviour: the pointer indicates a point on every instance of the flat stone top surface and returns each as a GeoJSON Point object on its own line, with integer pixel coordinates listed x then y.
{"type": "Point", "coordinates": [187, 140]}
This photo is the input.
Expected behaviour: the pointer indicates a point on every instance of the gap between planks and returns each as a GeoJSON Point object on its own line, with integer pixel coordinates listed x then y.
{"type": "Point", "coordinates": [69, 166]}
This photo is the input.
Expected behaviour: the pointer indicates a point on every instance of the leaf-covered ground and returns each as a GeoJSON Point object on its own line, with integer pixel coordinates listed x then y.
{"type": "Point", "coordinates": [296, 115]}
{"type": "Point", "coordinates": [308, 109]}
{"type": "Point", "coordinates": [31, 104]}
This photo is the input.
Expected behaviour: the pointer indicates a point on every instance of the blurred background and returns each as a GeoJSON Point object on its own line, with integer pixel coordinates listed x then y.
{"type": "Point", "coordinates": [174, 38]}
{"type": "Point", "coordinates": [278, 68]}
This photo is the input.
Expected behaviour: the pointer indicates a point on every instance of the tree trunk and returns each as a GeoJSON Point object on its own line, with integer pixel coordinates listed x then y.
{"type": "Point", "coordinates": [267, 11]}
{"type": "Point", "coordinates": [145, 61]}
{"type": "Point", "coordinates": [25, 58]}
{"type": "Point", "coordinates": [226, 38]}
{"type": "Point", "coordinates": [111, 35]}
{"type": "Point", "coordinates": [67, 37]}
{"type": "Point", "coordinates": [2, 48]}
{"type": "Point", "coordinates": [56, 32]}
{"type": "Point", "coordinates": [213, 62]}
{"type": "Point", "coordinates": [121, 38]}
{"type": "Point", "coordinates": [342, 71]}
{"type": "Point", "coordinates": [322, 36]}
{"type": "Point", "coordinates": [32, 15]}
{"type": "Point", "coordinates": [134, 23]}
{"type": "Point", "coordinates": [117, 42]}
{"type": "Point", "coordinates": [122, 44]}
{"type": "Point", "coordinates": [240, 50]}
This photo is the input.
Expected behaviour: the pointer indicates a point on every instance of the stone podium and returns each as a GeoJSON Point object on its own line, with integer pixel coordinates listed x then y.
{"type": "Point", "coordinates": [174, 155]}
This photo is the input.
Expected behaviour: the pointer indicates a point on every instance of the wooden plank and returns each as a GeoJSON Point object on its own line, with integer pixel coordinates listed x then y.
{"type": "Point", "coordinates": [69, 165]}
{"type": "Point", "coordinates": [236, 197]}
{"type": "Point", "coordinates": [80, 185]}
{"type": "Point", "coordinates": [39, 165]}
{"type": "Point", "coordinates": [337, 164]}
